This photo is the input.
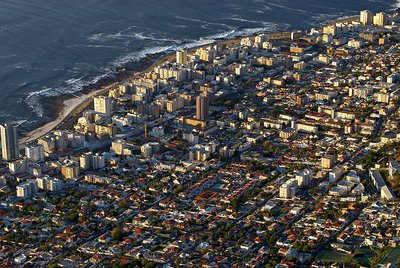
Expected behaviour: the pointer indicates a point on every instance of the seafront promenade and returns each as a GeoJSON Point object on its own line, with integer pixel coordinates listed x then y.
{"type": "Point", "coordinates": [72, 107]}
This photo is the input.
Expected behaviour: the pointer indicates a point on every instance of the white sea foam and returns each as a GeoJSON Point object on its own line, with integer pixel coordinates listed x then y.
{"type": "Point", "coordinates": [190, 19]}
{"type": "Point", "coordinates": [135, 56]}
{"type": "Point", "coordinates": [319, 19]}
{"type": "Point", "coordinates": [179, 26]}
{"type": "Point", "coordinates": [71, 86]}
{"type": "Point", "coordinates": [104, 37]}
{"type": "Point", "coordinates": [102, 46]}
{"type": "Point", "coordinates": [266, 7]}
{"type": "Point", "coordinates": [289, 8]}
{"type": "Point", "coordinates": [21, 65]}
{"type": "Point", "coordinates": [4, 115]}
{"type": "Point", "coordinates": [8, 56]}
{"type": "Point", "coordinates": [75, 85]}
{"type": "Point", "coordinates": [205, 23]}
{"type": "Point", "coordinates": [238, 18]}
{"type": "Point", "coordinates": [138, 55]}
{"type": "Point", "coordinates": [324, 18]}
{"type": "Point", "coordinates": [142, 36]}
{"type": "Point", "coordinates": [123, 35]}
{"type": "Point", "coordinates": [263, 23]}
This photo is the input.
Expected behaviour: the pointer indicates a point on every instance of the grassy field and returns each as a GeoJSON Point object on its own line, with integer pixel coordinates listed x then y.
{"type": "Point", "coordinates": [363, 255]}
{"type": "Point", "coordinates": [334, 256]}
{"type": "Point", "coordinates": [392, 257]}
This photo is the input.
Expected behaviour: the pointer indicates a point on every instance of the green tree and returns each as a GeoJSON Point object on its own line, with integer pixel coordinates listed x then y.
{"type": "Point", "coordinates": [122, 203]}
{"type": "Point", "coordinates": [73, 216]}
{"type": "Point", "coordinates": [117, 234]}
{"type": "Point", "coordinates": [178, 189]}
{"type": "Point", "coordinates": [235, 203]}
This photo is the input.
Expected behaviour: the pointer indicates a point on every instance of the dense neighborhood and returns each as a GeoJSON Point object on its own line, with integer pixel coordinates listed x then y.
{"type": "Point", "coordinates": [276, 150]}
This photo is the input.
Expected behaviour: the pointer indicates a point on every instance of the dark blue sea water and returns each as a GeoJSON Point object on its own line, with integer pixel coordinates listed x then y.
{"type": "Point", "coordinates": [53, 47]}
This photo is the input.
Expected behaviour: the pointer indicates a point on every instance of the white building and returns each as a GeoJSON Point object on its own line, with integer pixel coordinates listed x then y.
{"type": "Point", "coordinates": [9, 142]}
{"type": "Point", "coordinates": [198, 154]}
{"type": "Point", "coordinates": [103, 105]}
{"type": "Point", "coordinates": [192, 137]}
{"type": "Point", "coordinates": [376, 178]}
{"type": "Point", "coordinates": [386, 193]}
{"type": "Point", "coordinates": [181, 57]}
{"type": "Point", "coordinates": [353, 176]}
{"type": "Point", "coordinates": [380, 184]}
{"type": "Point", "coordinates": [47, 183]}
{"type": "Point", "coordinates": [380, 19]}
{"type": "Point", "coordinates": [304, 177]}
{"type": "Point", "coordinates": [366, 17]}
{"type": "Point", "coordinates": [27, 189]}
{"type": "Point", "coordinates": [92, 161]}
{"type": "Point", "coordinates": [98, 161]}
{"type": "Point", "coordinates": [157, 131]}
{"type": "Point", "coordinates": [288, 189]}
{"type": "Point", "coordinates": [149, 149]}
{"type": "Point", "coordinates": [18, 166]}
{"type": "Point", "coordinates": [394, 167]}
{"type": "Point", "coordinates": [336, 174]}
{"type": "Point", "coordinates": [34, 152]}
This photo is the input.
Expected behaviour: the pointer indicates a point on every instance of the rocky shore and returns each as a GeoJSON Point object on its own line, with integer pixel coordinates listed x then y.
{"type": "Point", "coordinates": [64, 110]}
{"type": "Point", "coordinates": [58, 107]}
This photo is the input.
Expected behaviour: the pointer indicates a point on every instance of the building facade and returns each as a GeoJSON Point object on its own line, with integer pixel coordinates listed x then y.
{"type": "Point", "coordinates": [202, 108]}
{"type": "Point", "coordinates": [9, 142]}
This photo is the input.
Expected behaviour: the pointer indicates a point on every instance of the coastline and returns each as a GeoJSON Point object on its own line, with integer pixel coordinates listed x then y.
{"type": "Point", "coordinates": [70, 106]}
{"type": "Point", "coordinates": [74, 106]}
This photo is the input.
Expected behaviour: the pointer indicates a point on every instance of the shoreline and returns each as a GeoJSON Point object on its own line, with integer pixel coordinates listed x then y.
{"type": "Point", "coordinates": [73, 106]}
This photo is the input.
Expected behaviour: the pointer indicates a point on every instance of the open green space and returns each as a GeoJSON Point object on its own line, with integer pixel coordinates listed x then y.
{"type": "Point", "coordinates": [363, 256]}
{"type": "Point", "coordinates": [328, 256]}
{"type": "Point", "coordinates": [393, 256]}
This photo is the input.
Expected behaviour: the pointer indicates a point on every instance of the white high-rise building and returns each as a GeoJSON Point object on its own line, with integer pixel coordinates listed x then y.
{"type": "Point", "coordinates": [103, 105]}
{"type": "Point", "coordinates": [181, 57]}
{"type": "Point", "coordinates": [85, 161]}
{"type": "Point", "coordinates": [49, 184]}
{"type": "Point", "coordinates": [34, 152]}
{"type": "Point", "coordinates": [380, 19]}
{"type": "Point", "coordinates": [98, 161]}
{"type": "Point", "coordinates": [304, 177]}
{"type": "Point", "coordinates": [149, 149]}
{"type": "Point", "coordinates": [9, 142]}
{"type": "Point", "coordinates": [55, 185]}
{"type": "Point", "coordinates": [18, 166]}
{"type": "Point", "coordinates": [366, 17]}
{"type": "Point", "coordinates": [92, 161]}
{"type": "Point", "coordinates": [27, 189]}
{"type": "Point", "coordinates": [202, 107]}
{"type": "Point", "coordinates": [288, 189]}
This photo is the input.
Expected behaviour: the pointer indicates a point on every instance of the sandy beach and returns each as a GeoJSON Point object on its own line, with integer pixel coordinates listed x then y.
{"type": "Point", "coordinates": [74, 106]}
{"type": "Point", "coordinates": [70, 105]}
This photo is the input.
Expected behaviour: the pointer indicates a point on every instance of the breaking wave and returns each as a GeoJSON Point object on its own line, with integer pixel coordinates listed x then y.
{"type": "Point", "coordinates": [75, 85]}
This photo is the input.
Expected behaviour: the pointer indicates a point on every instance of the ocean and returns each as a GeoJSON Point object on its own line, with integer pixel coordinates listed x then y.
{"type": "Point", "coordinates": [56, 47]}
